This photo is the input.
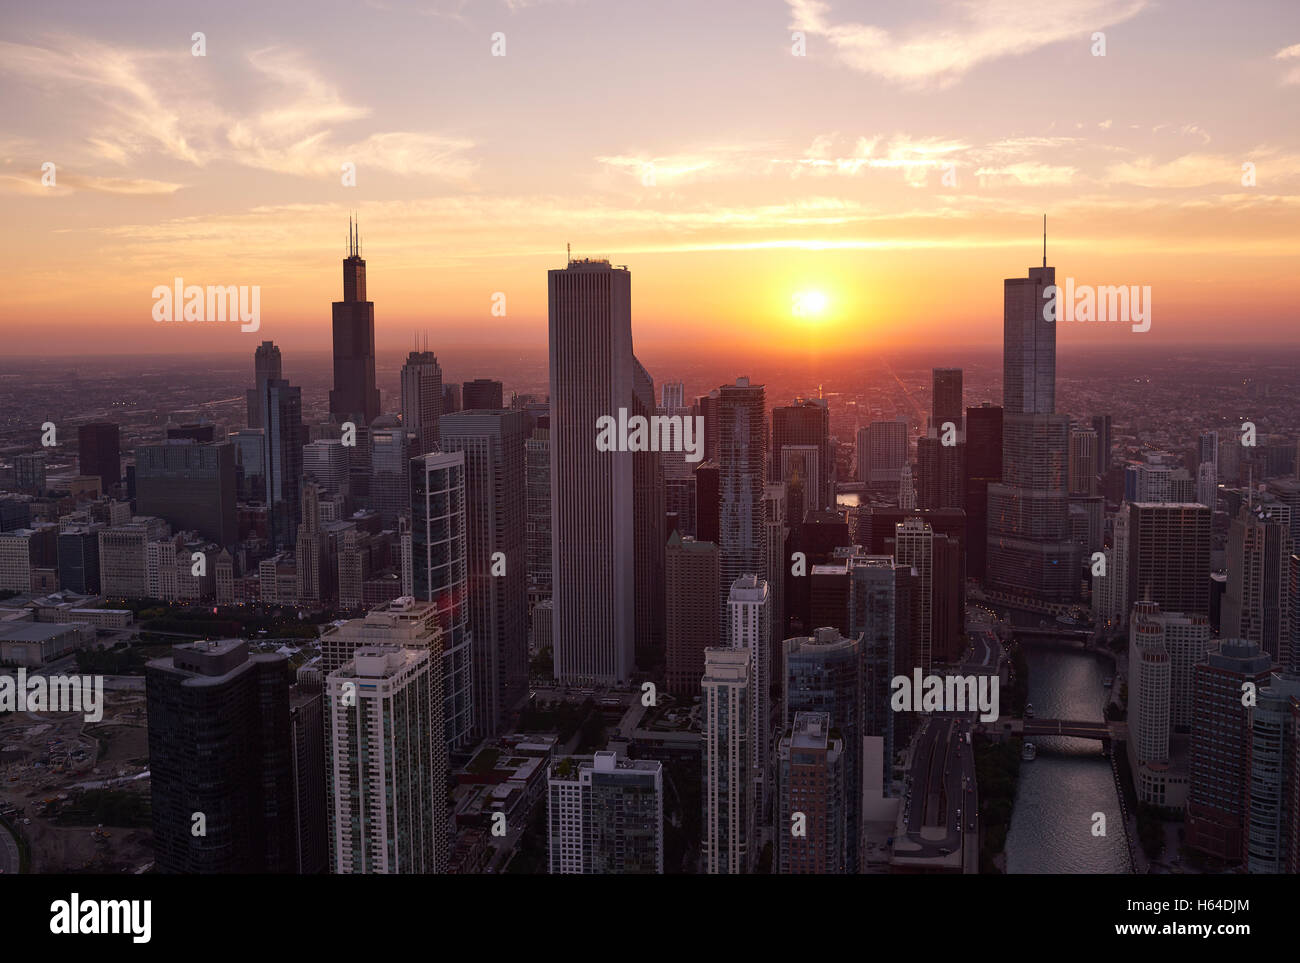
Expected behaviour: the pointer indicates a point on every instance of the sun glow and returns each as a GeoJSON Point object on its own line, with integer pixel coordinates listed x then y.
{"type": "Point", "coordinates": [809, 304]}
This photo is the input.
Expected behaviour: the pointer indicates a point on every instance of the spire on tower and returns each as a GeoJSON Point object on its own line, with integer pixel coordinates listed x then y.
{"type": "Point", "coordinates": [1044, 240]}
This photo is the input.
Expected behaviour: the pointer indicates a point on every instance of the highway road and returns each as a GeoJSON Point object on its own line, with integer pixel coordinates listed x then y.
{"type": "Point", "coordinates": [8, 851]}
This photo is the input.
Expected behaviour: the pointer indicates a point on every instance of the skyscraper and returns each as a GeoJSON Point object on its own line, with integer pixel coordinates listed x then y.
{"type": "Point", "coordinates": [495, 510]}
{"type": "Point", "coordinates": [537, 467]}
{"type": "Point", "coordinates": [285, 436]}
{"type": "Point", "coordinates": [983, 465]}
{"type": "Point", "coordinates": [190, 486]}
{"type": "Point", "coordinates": [727, 842]}
{"type": "Point", "coordinates": [742, 459]}
{"type": "Point", "coordinates": [592, 374]}
{"type": "Point", "coordinates": [219, 746]}
{"type": "Point", "coordinates": [482, 394]}
{"type": "Point", "coordinates": [388, 755]}
{"type": "Point", "coordinates": [811, 787]}
{"type": "Point", "coordinates": [873, 591]}
{"type": "Point", "coordinates": [99, 453]}
{"type": "Point", "coordinates": [266, 367]}
{"type": "Point", "coordinates": [823, 673]}
{"type": "Point", "coordinates": [422, 399]}
{"type": "Point", "coordinates": [1220, 758]}
{"type": "Point", "coordinates": [439, 560]}
{"type": "Point", "coordinates": [390, 473]}
{"type": "Point", "coordinates": [914, 548]}
{"type": "Point", "coordinates": [605, 815]}
{"type": "Point", "coordinates": [882, 452]}
{"type": "Point", "coordinates": [749, 627]}
{"type": "Point", "coordinates": [692, 619]}
{"type": "Point", "coordinates": [1271, 846]}
{"type": "Point", "coordinates": [946, 401]}
{"type": "Point", "coordinates": [1257, 604]}
{"type": "Point", "coordinates": [355, 396]}
{"type": "Point", "coordinates": [1029, 546]}
{"type": "Point", "coordinates": [1169, 556]}
{"type": "Point", "coordinates": [805, 423]}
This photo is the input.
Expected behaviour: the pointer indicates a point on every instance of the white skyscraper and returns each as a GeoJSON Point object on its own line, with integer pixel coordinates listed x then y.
{"type": "Point", "coordinates": [727, 694]}
{"type": "Point", "coordinates": [605, 815]}
{"type": "Point", "coordinates": [592, 372]}
{"type": "Point", "coordinates": [749, 627]}
{"type": "Point", "coordinates": [388, 765]}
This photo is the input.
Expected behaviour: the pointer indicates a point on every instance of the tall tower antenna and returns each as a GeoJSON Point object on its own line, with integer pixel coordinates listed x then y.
{"type": "Point", "coordinates": [1044, 240]}
{"type": "Point", "coordinates": [568, 253]}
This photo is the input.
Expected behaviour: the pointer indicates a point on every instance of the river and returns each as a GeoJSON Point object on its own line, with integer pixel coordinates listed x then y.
{"type": "Point", "coordinates": [1051, 825]}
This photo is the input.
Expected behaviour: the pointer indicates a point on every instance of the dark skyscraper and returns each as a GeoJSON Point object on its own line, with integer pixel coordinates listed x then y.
{"type": "Point", "coordinates": [742, 460]}
{"type": "Point", "coordinates": [947, 399]}
{"type": "Point", "coordinates": [284, 437]}
{"type": "Point", "coordinates": [495, 528]}
{"type": "Point", "coordinates": [804, 423]}
{"type": "Point", "coordinates": [99, 453]}
{"type": "Point", "coordinates": [707, 501]}
{"type": "Point", "coordinates": [219, 745]}
{"type": "Point", "coordinates": [266, 367]}
{"type": "Point", "coordinates": [190, 486]}
{"type": "Point", "coordinates": [983, 464]}
{"type": "Point", "coordinates": [481, 394]}
{"type": "Point", "coordinates": [355, 396]}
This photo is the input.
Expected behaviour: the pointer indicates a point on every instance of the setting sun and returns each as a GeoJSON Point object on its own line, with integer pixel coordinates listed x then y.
{"type": "Point", "coordinates": [809, 304]}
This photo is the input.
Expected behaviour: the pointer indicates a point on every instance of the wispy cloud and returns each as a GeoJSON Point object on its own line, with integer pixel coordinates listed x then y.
{"type": "Point", "coordinates": [1292, 54]}
{"type": "Point", "coordinates": [135, 106]}
{"type": "Point", "coordinates": [971, 32]}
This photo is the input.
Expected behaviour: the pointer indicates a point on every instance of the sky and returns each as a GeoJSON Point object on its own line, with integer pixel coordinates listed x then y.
{"type": "Point", "coordinates": [779, 174]}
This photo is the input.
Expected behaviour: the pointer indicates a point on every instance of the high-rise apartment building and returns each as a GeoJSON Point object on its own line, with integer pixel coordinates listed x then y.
{"type": "Point", "coordinates": [811, 822]}
{"type": "Point", "coordinates": [823, 673]}
{"type": "Point", "coordinates": [388, 763]}
{"type": "Point", "coordinates": [605, 815]}
{"type": "Point", "coordinates": [439, 574]}
{"type": "Point", "coordinates": [742, 460]}
{"type": "Point", "coordinates": [728, 838]}
{"type": "Point", "coordinates": [1220, 755]}
{"type": "Point", "coordinates": [749, 627]}
{"type": "Point", "coordinates": [1257, 602]}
